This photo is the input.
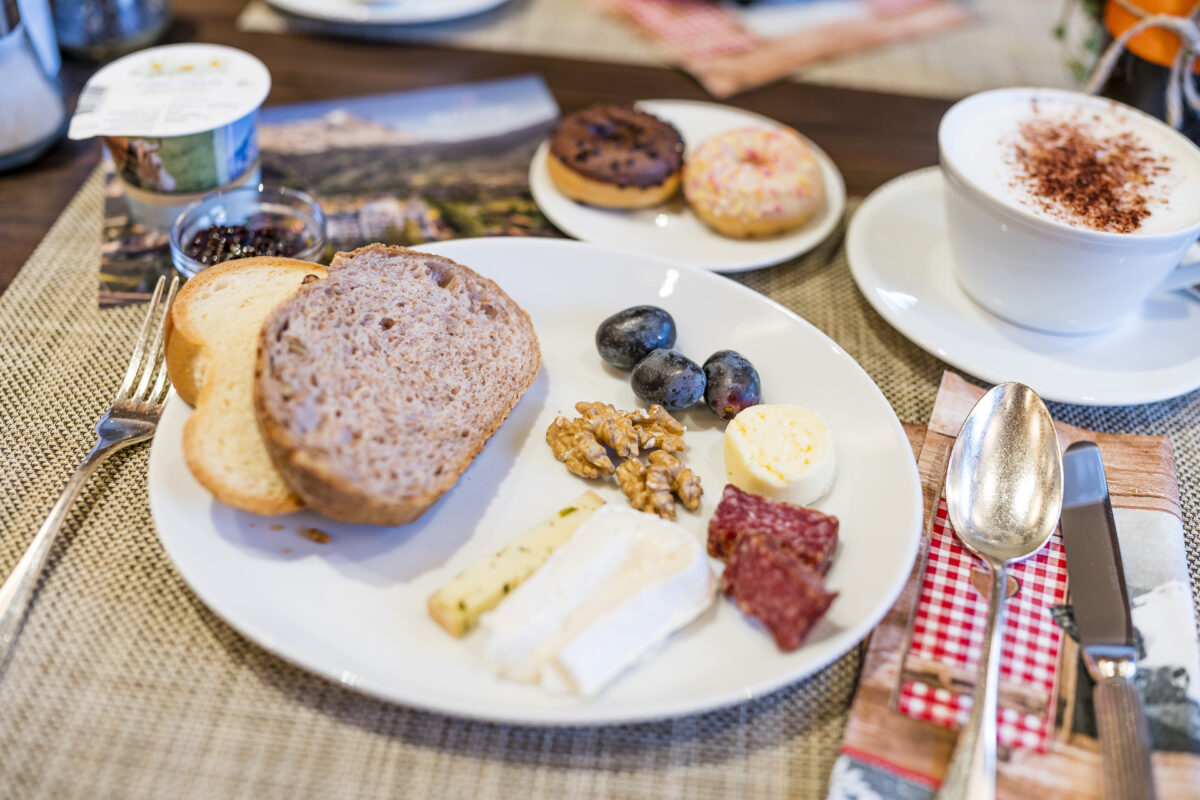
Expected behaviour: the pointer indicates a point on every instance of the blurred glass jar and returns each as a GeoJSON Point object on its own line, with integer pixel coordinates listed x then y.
{"type": "Point", "coordinates": [103, 29]}
{"type": "Point", "coordinates": [32, 114]}
{"type": "Point", "coordinates": [281, 221]}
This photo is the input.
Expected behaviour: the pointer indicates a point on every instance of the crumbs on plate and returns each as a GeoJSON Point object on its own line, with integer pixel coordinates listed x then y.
{"type": "Point", "coordinates": [315, 535]}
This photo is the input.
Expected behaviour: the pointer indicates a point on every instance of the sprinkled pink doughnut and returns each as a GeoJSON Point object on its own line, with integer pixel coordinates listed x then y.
{"type": "Point", "coordinates": [754, 182]}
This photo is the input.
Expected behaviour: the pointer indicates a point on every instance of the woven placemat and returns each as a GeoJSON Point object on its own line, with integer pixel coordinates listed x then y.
{"type": "Point", "coordinates": [1012, 43]}
{"type": "Point", "coordinates": [125, 686]}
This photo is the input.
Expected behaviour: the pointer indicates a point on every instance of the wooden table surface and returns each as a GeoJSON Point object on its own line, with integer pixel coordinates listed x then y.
{"type": "Point", "coordinates": [871, 136]}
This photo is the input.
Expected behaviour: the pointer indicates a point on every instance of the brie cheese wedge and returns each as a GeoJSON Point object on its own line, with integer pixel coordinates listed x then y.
{"type": "Point", "coordinates": [621, 585]}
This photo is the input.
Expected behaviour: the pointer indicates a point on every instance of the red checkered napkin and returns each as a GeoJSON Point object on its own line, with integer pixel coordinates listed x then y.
{"type": "Point", "coordinates": [729, 53]}
{"type": "Point", "coordinates": [697, 28]}
{"type": "Point", "coordinates": [688, 27]}
{"type": "Point", "coordinates": [949, 630]}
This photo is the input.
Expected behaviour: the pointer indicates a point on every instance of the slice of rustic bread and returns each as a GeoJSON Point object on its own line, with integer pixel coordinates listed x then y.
{"type": "Point", "coordinates": [212, 342]}
{"type": "Point", "coordinates": [378, 386]}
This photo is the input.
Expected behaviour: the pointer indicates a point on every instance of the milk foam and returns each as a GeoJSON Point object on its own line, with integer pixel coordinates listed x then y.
{"type": "Point", "coordinates": [978, 137]}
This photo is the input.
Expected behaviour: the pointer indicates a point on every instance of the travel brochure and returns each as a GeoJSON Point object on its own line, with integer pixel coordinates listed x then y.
{"type": "Point", "coordinates": [402, 168]}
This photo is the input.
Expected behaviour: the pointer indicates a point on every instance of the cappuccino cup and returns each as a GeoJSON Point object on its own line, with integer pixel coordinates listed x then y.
{"type": "Point", "coordinates": [1029, 244]}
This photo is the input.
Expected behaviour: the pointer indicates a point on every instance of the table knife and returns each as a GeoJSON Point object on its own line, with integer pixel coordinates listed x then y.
{"type": "Point", "coordinates": [1101, 605]}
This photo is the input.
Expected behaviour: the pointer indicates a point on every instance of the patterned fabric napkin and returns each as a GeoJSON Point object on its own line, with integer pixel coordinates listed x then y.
{"type": "Point", "coordinates": [731, 51]}
{"type": "Point", "coordinates": [947, 639]}
{"type": "Point", "coordinates": [918, 673]}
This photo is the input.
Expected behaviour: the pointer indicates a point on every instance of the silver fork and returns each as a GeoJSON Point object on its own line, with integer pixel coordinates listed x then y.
{"type": "Point", "coordinates": [130, 419]}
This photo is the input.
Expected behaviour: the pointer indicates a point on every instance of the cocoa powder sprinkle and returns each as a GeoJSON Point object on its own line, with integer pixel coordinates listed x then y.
{"type": "Point", "coordinates": [1101, 182]}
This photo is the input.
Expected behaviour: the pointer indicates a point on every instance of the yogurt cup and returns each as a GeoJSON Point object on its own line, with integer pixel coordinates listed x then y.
{"type": "Point", "coordinates": [178, 121]}
{"type": "Point", "coordinates": [156, 211]}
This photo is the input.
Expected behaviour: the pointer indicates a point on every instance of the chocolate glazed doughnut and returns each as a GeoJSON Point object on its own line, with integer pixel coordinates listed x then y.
{"type": "Point", "coordinates": [615, 156]}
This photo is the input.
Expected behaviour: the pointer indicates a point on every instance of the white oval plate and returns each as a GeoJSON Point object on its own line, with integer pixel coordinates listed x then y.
{"type": "Point", "coordinates": [900, 258]}
{"type": "Point", "coordinates": [671, 231]}
{"type": "Point", "coordinates": [385, 12]}
{"type": "Point", "coordinates": [353, 610]}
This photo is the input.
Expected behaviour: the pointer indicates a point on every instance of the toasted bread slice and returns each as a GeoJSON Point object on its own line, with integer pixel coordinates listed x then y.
{"type": "Point", "coordinates": [378, 386]}
{"type": "Point", "coordinates": [212, 342]}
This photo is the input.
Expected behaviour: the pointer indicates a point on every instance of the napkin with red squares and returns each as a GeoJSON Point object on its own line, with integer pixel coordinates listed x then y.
{"type": "Point", "coordinates": [948, 630]}
{"type": "Point", "coordinates": [919, 670]}
{"type": "Point", "coordinates": [731, 49]}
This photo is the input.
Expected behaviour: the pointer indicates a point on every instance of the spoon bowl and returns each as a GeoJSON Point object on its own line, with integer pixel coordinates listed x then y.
{"type": "Point", "coordinates": [1004, 479]}
{"type": "Point", "coordinates": [1004, 488]}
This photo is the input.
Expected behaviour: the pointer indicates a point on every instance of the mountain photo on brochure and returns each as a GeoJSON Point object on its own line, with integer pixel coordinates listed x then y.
{"type": "Point", "coordinates": [403, 168]}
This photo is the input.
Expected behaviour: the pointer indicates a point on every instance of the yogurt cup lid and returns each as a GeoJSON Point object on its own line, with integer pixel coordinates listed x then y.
{"type": "Point", "coordinates": [174, 90]}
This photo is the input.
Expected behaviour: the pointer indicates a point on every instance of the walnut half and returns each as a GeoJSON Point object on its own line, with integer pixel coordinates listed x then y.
{"type": "Point", "coordinates": [610, 427]}
{"type": "Point", "coordinates": [574, 443]}
{"type": "Point", "coordinates": [657, 429]}
{"type": "Point", "coordinates": [580, 443]}
{"type": "Point", "coordinates": [653, 488]}
{"type": "Point", "coordinates": [587, 445]}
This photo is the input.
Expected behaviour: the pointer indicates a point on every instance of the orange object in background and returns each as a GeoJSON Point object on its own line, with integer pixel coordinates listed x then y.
{"type": "Point", "coordinates": [1156, 45]}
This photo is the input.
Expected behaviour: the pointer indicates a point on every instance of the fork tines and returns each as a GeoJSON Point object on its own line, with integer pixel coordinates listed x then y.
{"type": "Point", "coordinates": [147, 360]}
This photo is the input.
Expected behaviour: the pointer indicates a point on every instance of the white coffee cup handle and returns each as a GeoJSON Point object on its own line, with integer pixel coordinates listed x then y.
{"type": "Point", "coordinates": [1185, 275]}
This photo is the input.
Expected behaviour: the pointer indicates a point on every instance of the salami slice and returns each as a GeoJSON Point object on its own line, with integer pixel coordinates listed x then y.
{"type": "Point", "coordinates": [771, 584]}
{"type": "Point", "coordinates": [811, 535]}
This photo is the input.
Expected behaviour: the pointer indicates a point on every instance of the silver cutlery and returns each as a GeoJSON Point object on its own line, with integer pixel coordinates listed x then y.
{"type": "Point", "coordinates": [1003, 494]}
{"type": "Point", "coordinates": [1101, 605]}
{"type": "Point", "coordinates": [130, 419]}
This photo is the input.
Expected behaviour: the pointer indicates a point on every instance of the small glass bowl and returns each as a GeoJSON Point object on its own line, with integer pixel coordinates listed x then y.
{"type": "Point", "coordinates": [254, 207]}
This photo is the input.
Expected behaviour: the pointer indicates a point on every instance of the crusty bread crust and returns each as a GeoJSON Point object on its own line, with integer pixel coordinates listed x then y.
{"type": "Point", "coordinates": [329, 447]}
{"type": "Point", "coordinates": [191, 340]}
{"type": "Point", "coordinates": [184, 357]}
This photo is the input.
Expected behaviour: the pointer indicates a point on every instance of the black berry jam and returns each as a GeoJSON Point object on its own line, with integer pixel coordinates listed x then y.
{"type": "Point", "coordinates": [219, 243]}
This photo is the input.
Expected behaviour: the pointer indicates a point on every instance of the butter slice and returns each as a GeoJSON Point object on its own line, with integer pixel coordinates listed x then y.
{"type": "Point", "coordinates": [609, 596]}
{"type": "Point", "coordinates": [784, 452]}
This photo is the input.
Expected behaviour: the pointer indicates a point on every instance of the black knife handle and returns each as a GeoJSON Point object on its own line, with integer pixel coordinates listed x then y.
{"type": "Point", "coordinates": [1124, 738]}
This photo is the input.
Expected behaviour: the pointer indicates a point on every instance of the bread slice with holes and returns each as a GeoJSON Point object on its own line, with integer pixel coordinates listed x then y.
{"type": "Point", "coordinates": [211, 347]}
{"type": "Point", "coordinates": [377, 387]}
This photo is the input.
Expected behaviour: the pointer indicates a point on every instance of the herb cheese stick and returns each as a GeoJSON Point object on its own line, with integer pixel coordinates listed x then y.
{"type": "Point", "coordinates": [458, 605]}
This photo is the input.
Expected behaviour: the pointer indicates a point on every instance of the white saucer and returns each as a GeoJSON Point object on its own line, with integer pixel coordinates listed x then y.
{"type": "Point", "coordinates": [898, 253]}
{"type": "Point", "coordinates": [671, 231]}
{"type": "Point", "coordinates": [385, 12]}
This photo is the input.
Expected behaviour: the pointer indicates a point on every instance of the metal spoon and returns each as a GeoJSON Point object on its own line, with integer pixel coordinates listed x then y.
{"type": "Point", "coordinates": [1004, 488]}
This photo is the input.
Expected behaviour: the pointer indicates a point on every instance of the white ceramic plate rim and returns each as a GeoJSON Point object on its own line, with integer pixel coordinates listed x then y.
{"type": "Point", "coordinates": [788, 245]}
{"type": "Point", "coordinates": [909, 524]}
{"type": "Point", "coordinates": [1053, 379]}
{"type": "Point", "coordinates": [381, 12]}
